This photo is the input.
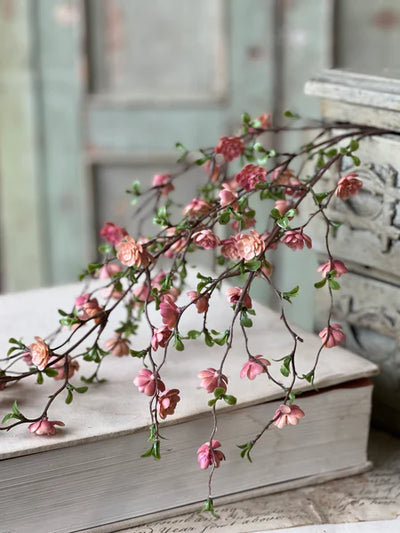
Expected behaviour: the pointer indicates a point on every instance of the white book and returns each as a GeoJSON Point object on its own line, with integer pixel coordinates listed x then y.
{"type": "Point", "coordinates": [91, 474]}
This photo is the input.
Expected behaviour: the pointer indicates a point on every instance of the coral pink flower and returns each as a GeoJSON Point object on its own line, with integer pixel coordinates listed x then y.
{"type": "Point", "coordinates": [281, 176]}
{"type": "Point", "coordinates": [287, 414]}
{"type": "Point", "coordinates": [249, 176]}
{"type": "Point", "coordinates": [45, 426]}
{"type": "Point", "coordinates": [206, 239]}
{"type": "Point", "coordinates": [59, 366]}
{"type": "Point", "coordinates": [229, 249]}
{"type": "Point", "coordinates": [348, 186]}
{"type": "Point", "coordinates": [295, 239]}
{"type": "Point", "coordinates": [90, 309]}
{"type": "Point", "coordinates": [249, 245]}
{"type": "Point", "coordinates": [332, 335]}
{"type": "Point", "coordinates": [160, 337]}
{"type": "Point", "coordinates": [117, 345]}
{"type": "Point", "coordinates": [208, 454]}
{"type": "Point", "coordinates": [147, 383]}
{"type": "Point", "coordinates": [164, 182]}
{"type": "Point", "coordinates": [172, 293]}
{"type": "Point", "coordinates": [252, 367]}
{"type": "Point", "coordinates": [265, 121]}
{"type": "Point", "coordinates": [169, 312]}
{"type": "Point", "coordinates": [227, 196]}
{"type": "Point", "coordinates": [106, 271]}
{"type": "Point", "coordinates": [201, 303]}
{"type": "Point", "coordinates": [211, 379]}
{"type": "Point", "coordinates": [335, 264]}
{"type": "Point", "coordinates": [40, 353]}
{"type": "Point", "coordinates": [230, 148]}
{"type": "Point", "coordinates": [81, 300]}
{"type": "Point", "coordinates": [166, 402]}
{"type": "Point", "coordinates": [282, 206]}
{"type": "Point", "coordinates": [197, 207]}
{"type": "Point", "coordinates": [113, 233]}
{"type": "Point", "coordinates": [130, 253]}
{"type": "Point", "coordinates": [234, 294]}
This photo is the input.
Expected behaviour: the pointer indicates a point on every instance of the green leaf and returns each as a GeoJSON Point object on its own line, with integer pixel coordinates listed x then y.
{"type": "Point", "coordinates": [39, 378]}
{"type": "Point", "coordinates": [356, 160]}
{"type": "Point", "coordinates": [193, 334]}
{"type": "Point", "coordinates": [354, 145]}
{"type": "Point", "coordinates": [320, 196]}
{"type": "Point", "coordinates": [81, 390]}
{"type": "Point", "coordinates": [219, 392]}
{"type": "Point", "coordinates": [284, 371]}
{"type": "Point", "coordinates": [309, 377]}
{"type": "Point", "coordinates": [246, 449]}
{"type": "Point", "coordinates": [320, 284]}
{"type": "Point", "coordinates": [15, 409]}
{"type": "Point", "coordinates": [209, 507]}
{"type": "Point", "coordinates": [178, 344]}
{"type": "Point", "coordinates": [333, 284]}
{"type": "Point", "coordinates": [229, 399]}
{"type": "Point", "coordinates": [246, 118]}
{"type": "Point", "coordinates": [7, 417]}
{"type": "Point", "coordinates": [253, 265]}
{"type": "Point", "coordinates": [290, 294]}
{"type": "Point", "coordinates": [275, 213]}
{"type": "Point", "coordinates": [290, 114]}
{"type": "Point", "coordinates": [208, 339]}
{"type": "Point", "coordinates": [138, 353]}
{"type": "Point", "coordinates": [245, 320]}
{"type": "Point", "coordinates": [212, 402]}
{"type": "Point", "coordinates": [105, 248]}
{"type": "Point", "coordinates": [94, 267]}
{"type": "Point", "coordinates": [69, 397]}
{"type": "Point", "coordinates": [224, 218]}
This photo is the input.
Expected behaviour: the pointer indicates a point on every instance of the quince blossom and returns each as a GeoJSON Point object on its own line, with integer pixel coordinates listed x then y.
{"type": "Point", "coordinates": [230, 148]}
{"type": "Point", "coordinates": [252, 367]}
{"type": "Point", "coordinates": [113, 233]}
{"type": "Point", "coordinates": [147, 383]}
{"type": "Point", "coordinates": [249, 176]}
{"type": "Point", "coordinates": [335, 264]}
{"type": "Point", "coordinates": [287, 414]}
{"type": "Point", "coordinates": [348, 186]}
{"type": "Point", "coordinates": [295, 239]}
{"type": "Point", "coordinates": [160, 337]}
{"type": "Point", "coordinates": [208, 455]}
{"type": "Point", "coordinates": [211, 379]}
{"type": "Point", "coordinates": [45, 426]}
{"type": "Point", "coordinates": [167, 402]}
{"type": "Point", "coordinates": [332, 336]}
{"type": "Point", "coordinates": [234, 294]}
{"type": "Point", "coordinates": [169, 312]}
{"type": "Point", "coordinates": [249, 245]}
{"type": "Point", "coordinates": [117, 345]}
{"type": "Point", "coordinates": [40, 353]}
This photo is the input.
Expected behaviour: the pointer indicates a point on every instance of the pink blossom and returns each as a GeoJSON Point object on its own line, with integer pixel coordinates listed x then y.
{"type": "Point", "coordinates": [229, 249]}
{"type": "Point", "coordinates": [107, 270]}
{"type": "Point", "coordinates": [197, 207]}
{"type": "Point", "coordinates": [201, 302]}
{"type": "Point", "coordinates": [169, 312]}
{"type": "Point", "coordinates": [147, 383]}
{"type": "Point", "coordinates": [227, 196]}
{"type": "Point", "coordinates": [59, 365]}
{"type": "Point", "coordinates": [332, 336]}
{"type": "Point", "coordinates": [211, 379]}
{"type": "Point", "coordinates": [143, 292]}
{"type": "Point", "coordinates": [45, 426]}
{"type": "Point", "coordinates": [230, 148]}
{"type": "Point", "coordinates": [282, 176]}
{"type": "Point", "coordinates": [113, 233]}
{"type": "Point", "coordinates": [208, 455]}
{"type": "Point", "coordinates": [163, 181]}
{"type": "Point", "coordinates": [265, 121]}
{"type": "Point", "coordinates": [249, 245]}
{"type": "Point", "coordinates": [160, 337]}
{"type": "Point", "coordinates": [282, 206]}
{"type": "Point", "coordinates": [81, 300]}
{"type": "Point", "coordinates": [206, 239]}
{"type": "Point", "coordinates": [287, 414]}
{"type": "Point", "coordinates": [117, 345]}
{"type": "Point", "coordinates": [252, 367]}
{"type": "Point", "coordinates": [172, 293]}
{"type": "Point", "coordinates": [131, 253]}
{"type": "Point", "coordinates": [348, 186]}
{"type": "Point", "coordinates": [166, 402]}
{"type": "Point", "coordinates": [213, 170]}
{"type": "Point", "coordinates": [40, 353]}
{"type": "Point", "coordinates": [177, 246]}
{"type": "Point", "coordinates": [248, 223]}
{"type": "Point", "coordinates": [295, 239]}
{"type": "Point", "coordinates": [234, 294]}
{"type": "Point", "coordinates": [91, 309]}
{"type": "Point", "coordinates": [111, 292]}
{"type": "Point", "coordinates": [335, 264]}
{"type": "Point", "coordinates": [249, 176]}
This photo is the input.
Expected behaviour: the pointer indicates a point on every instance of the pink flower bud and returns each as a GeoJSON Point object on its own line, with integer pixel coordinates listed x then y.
{"type": "Point", "coordinates": [287, 414]}
{"type": "Point", "coordinates": [147, 383]}
{"type": "Point", "coordinates": [45, 426]}
{"type": "Point", "coordinates": [81, 300]}
{"type": "Point", "coordinates": [332, 336]}
{"type": "Point", "coordinates": [252, 367]}
{"type": "Point", "coordinates": [166, 402]}
{"type": "Point", "coordinates": [208, 455]}
{"type": "Point", "coordinates": [113, 233]}
{"type": "Point", "coordinates": [335, 264]}
{"type": "Point", "coordinates": [230, 148]}
{"type": "Point", "coordinates": [211, 379]}
{"type": "Point", "coordinates": [106, 271]}
{"type": "Point", "coordinates": [348, 186]}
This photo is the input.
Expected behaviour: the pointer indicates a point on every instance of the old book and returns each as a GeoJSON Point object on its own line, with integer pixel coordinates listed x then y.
{"type": "Point", "coordinates": [91, 476]}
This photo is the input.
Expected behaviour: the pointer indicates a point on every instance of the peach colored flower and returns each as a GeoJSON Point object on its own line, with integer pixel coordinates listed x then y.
{"type": "Point", "coordinates": [295, 239]}
{"type": "Point", "coordinates": [81, 300]}
{"type": "Point", "coordinates": [166, 402]}
{"type": "Point", "coordinates": [206, 239]}
{"type": "Point", "coordinates": [91, 309]}
{"type": "Point", "coordinates": [250, 175]}
{"type": "Point", "coordinates": [227, 196]}
{"type": "Point", "coordinates": [211, 379]}
{"type": "Point", "coordinates": [163, 181]}
{"type": "Point", "coordinates": [282, 176]}
{"type": "Point", "coordinates": [229, 249]}
{"type": "Point", "coordinates": [234, 294]}
{"type": "Point", "coordinates": [40, 353]}
{"type": "Point", "coordinates": [147, 383]}
{"type": "Point", "coordinates": [169, 312]}
{"type": "Point", "coordinates": [130, 253]}
{"type": "Point", "coordinates": [208, 454]}
{"type": "Point", "coordinates": [282, 206]}
{"type": "Point", "coordinates": [160, 337]}
{"type": "Point", "coordinates": [197, 207]}
{"type": "Point", "coordinates": [332, 336]}
{"type": "Point", "coordinates": [113, 233]}
{"type": "Point", "coordinates": [287, 414]}
{"type": "Point", "coordinates": [172, 293]}
{"type": "Point", "coordinates": [45, 426]}
{"type": "Point", "coordinates": [335, 264]}
{"type": "Point", "coordinates": [249, 245]}
{"type": "Point", "coordinates": [117, 345]}
{"type": "Point", "coordinates": [348, 186]}
{"type": "Point", "coordinates": [252, 367]}
{"type": "Point", "coordinates": [107, 270]}
{"type": "Point", "coordinates": [201, 302]}
{"type": "Point", "coordinates": [230, 148]}
{"type": "Point", "coordinates": [59, 366]}
{"type": "Point", "coordinates": [265, 121]}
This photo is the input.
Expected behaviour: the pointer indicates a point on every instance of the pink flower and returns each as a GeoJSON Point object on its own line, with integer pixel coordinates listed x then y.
{"type": "Point", "coordinates": [211, 379]}
{"type": "Point", "coordinates": [177, 246]}
{"type": "Point", "coordinates": [252, 367]}
{"type": "Point", "coordinates": [295, 239]}
{"type": "Point", "coordinates": [164, 182]}
{"type": "Point", "coordinates": [130, 253]}
{"type": "Point", "coordinates": [332, 335]}
{"type": "Point", "coordinates": [111, 292]}
{"type": "Point", "coordinates": [160, 337]}
{"type": "Point", "coordinates": [106, 271]}
{"type": "Point", "coordinates": [249, 245]}
{"type": "Point", "coordinates": [348, 186]}
{"type": "Point", "coordinates": [234, 294]}
{"type": "Point", "coordinates": [117, 345]}
{"type": "Point", "coordinates": [282, 206]}
{"type": "Point", "coordinates": [142, 292]}
{"type": "Point", "coordinates": [146, 382]}
{"type": "Point", "coordinates": [201, 302]}
{"type": "Point", "coordinates": [91, 309]}
{"type": "Point", "coordinates": [169, 312]}
{"type": "Point", "coordinates": [166, 402]}
{"type": "Point", "coordinates": [213, 170]}
{"type": "Point", "coordinates": [172, 293]}
{"type": "Point", "coordinates": [249, 176]}
{"type": "Point", "coordinates": [40, 353]}
{"type": "Point", "coordinates": [197, 207]}
{"type": "Point", "coordinates": [227, 196]}
{"type": "Point", "coordinates": [335, 264]}
{"type": "Point", "coordinates": [229, 249]}
{"type": "Point", "coordinates": [248, 223]}
{"type": "Point", "coordinates": [287, 414]}
{"type": "Point", "coordinates": [113, 233]}
{"type": "Point", "coordinates": [208, 454]}
{"type": "Point", "coordinates": [282, 176]}
{"type": "Point", "coordinates": [81, 300]}
{"type": "Point", "coordinates": [45, 426]}
{"type": "Point", "coordinates": [265, 121]}
{"type": "Point", "coordinates": [206, 239]}
{"type": "Point", "coordinates": [59, 366]}
{"type": "Point", "coordinates": [230, 148]}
